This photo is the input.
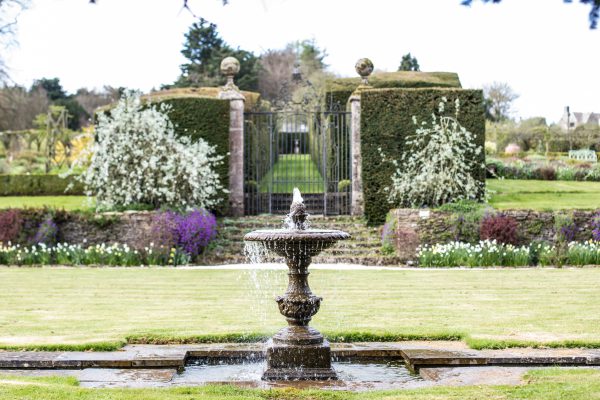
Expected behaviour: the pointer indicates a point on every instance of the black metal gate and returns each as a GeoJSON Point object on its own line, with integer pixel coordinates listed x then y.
{"type": "Point", "coordinates": [307, 150]}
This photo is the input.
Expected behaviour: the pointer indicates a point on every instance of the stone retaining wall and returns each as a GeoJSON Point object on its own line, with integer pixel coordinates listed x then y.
{"type": "Point", "coordinates": [416, 227]}
{"type": "Point", "coordinates": [131, 228]}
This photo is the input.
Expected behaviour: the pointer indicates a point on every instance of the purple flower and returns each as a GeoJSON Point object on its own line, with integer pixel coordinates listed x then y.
{"type": "Point", "coordinates": [568, 232]}
{"type": "Point", "coordinates": [163, 231]}
{"type": "Point", "coordinates": [47, 233]}
{"type": "Point", "coordinates": [596, 228]}
{"type": "Point", "coordinates": [387, 231]}
{"type": "Point", "coordinates": [191, 232]}
{"type": "Point", "coordinates": [195, 231]}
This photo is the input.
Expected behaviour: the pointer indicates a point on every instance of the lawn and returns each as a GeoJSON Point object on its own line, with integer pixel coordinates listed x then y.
{"type": "Point", "coordinates": [294, 170]}
{"type": "Point", "coordinates": [543, 195]}
{"type": "Point", "coordinates": [547, 384]}
{"type": "Point", "coordinates": [290, 171]}
{"type": "Point", "coordinates": [66, 202]}
{"type": "Point", "coordinates": [82, 305]}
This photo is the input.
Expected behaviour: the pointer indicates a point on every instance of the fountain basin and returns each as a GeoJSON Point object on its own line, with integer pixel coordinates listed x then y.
{"type": "Point", "coordinates": [369, 373]}
{"type": "Point", "coordinates": [296, 242]}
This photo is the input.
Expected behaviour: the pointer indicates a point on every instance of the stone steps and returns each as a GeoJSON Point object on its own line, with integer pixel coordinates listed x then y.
{"type": "Point", "coordinates": [364, 247]}
{"type": "Point", "coordinates": [378, 260]}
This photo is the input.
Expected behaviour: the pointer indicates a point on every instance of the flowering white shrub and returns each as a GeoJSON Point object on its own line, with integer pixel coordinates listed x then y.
{"type": "Point", "coordinates": [137, 158]}
{"type": "Point", "coordinates": [438, 165]}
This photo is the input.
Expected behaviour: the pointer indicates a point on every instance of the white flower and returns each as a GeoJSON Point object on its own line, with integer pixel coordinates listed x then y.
{"type": "Point", "coordinates": [137, 158]}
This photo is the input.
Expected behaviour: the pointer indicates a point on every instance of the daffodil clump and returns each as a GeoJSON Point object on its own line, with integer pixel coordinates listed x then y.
{"type": "Point", "coordinates": [77, 254]}
{"type": "Point", "coordinates": [577, 253]}
{"type": "Point", "coordinates": [488, 253]}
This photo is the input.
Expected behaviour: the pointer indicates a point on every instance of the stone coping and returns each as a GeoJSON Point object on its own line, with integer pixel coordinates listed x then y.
{"type": "Point", "coordinates": [416, 354]}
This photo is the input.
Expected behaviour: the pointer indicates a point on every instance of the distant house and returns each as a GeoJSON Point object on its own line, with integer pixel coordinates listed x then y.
{"type": "Point", "coordinates": [574, 119]}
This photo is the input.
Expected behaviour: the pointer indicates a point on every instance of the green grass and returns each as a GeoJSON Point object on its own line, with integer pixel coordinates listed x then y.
{"type": "Point", "coordinates": [83, 306]}
{"type": "Point", "coordinates": [290, 171]}
{"type": "Point", "coordinates": [547, 384]}
{"type": "Point", "coordinates": [66, 202]}
{"type": "Point", "coordinates": [298, 170]}
{"type": "Point", "coordinates": [544, 195]}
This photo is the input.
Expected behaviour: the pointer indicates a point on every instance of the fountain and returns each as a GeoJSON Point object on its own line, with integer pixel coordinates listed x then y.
{"type": "Point", "coordinates": [297, 352]}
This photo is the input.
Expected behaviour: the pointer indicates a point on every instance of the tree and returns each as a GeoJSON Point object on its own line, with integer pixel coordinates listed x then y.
{"type": "Point", "coordinates": [91, 100]}
{"type": "Point", "coordinates": [587, 136]}
{"type": "Point", "coordinates": [9, 12]}
{"type": "Point", "coordinates": [78, 116]}
{"type": "Point", "coordinates": [409, 63]}
{"type": "Point", "coordinates": [18, 107]}
{"type": "Point", "coordinates": [52, 86]}
{"type": "Point", "coordinates": [275, 73]}
{"type": "Point", "coordinates": [205, 50]}
{"type": "Point", "coordinates": [289, 74]}
{"type": "Point", "coordinates": [593, 16]}
{"type": "Point", "coordinates": [311, 57]}
{"type": "Point", "coordinates": [498, 98]}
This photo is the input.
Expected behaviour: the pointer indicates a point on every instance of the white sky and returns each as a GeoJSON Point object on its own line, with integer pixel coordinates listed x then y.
{"type": "Point", "coordinates": [542, 48]}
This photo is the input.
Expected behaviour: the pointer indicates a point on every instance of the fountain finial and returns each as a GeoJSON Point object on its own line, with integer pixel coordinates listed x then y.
{"type": "Point", "coordinates": [298, 211]}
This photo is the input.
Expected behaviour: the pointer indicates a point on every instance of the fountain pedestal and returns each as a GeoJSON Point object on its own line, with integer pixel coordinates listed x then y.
{"type": "Point", "coordinates": [298, 352]}
{"type": "Point", "coordinates": [299, 362]}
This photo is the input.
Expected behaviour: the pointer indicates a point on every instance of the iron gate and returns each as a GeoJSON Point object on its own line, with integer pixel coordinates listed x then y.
{"type": "Point", "coordinates": [287, 149]}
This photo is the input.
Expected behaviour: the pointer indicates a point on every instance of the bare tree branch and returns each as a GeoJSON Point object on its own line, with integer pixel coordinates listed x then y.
{"type": "Point", "coordinates": [593, 16]}
{"type": "Point", "coordinates": [186, 6]}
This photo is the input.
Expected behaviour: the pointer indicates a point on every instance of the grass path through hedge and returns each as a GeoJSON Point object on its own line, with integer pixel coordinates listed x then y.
{"type": "Point", "coordinates": [293, 170]}
{"type": "Point", "coordinates": [82, 305]}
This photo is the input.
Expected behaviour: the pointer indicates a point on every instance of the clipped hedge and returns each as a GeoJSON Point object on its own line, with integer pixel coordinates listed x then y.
{"type": "Point", "coordinates": [386, 121]}
{"type": "Point", "coordinates": [253, 99]}
{"type": "Point", "coordinates": [39, 185]}
{"type": "Point", "coordinates": [340, 89]}
{"type": "Point", "coordinates": [206, 118]}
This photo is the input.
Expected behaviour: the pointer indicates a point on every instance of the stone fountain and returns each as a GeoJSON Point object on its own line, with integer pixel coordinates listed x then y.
{"type": "Point", "coordinates": [297, 352]}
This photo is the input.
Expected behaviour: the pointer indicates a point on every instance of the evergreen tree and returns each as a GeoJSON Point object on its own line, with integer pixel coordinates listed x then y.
{"type": "Point", "coordinates": [205, 49]}
{"type": "Point", "coordinates": [57, 96]}
{"type": "Point", "coordinates": [409, 63]}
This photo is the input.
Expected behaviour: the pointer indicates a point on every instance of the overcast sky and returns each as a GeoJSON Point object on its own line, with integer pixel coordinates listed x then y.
{"type": "Point", "coordinates": [542, 48]}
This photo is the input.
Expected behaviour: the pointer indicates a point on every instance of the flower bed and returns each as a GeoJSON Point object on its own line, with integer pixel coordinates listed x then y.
{"type": "Point", "coordinates": [557, 170]}
{"type": "Point", "coordinates": [31, 237]}
{"type": "Point", "coordinates": [489, 253]}
{"type": "Point", "coordinates": [76, 254]}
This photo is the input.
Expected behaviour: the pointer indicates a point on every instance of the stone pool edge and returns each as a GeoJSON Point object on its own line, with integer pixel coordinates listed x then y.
{"type": "Point", "coordinates": [416, 355]}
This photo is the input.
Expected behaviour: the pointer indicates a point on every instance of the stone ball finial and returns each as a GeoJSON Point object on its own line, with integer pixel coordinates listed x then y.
{"type": "Point", "coordinates": [230, 66]}
{"type": "Point", "coordinates": [364, 67]}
